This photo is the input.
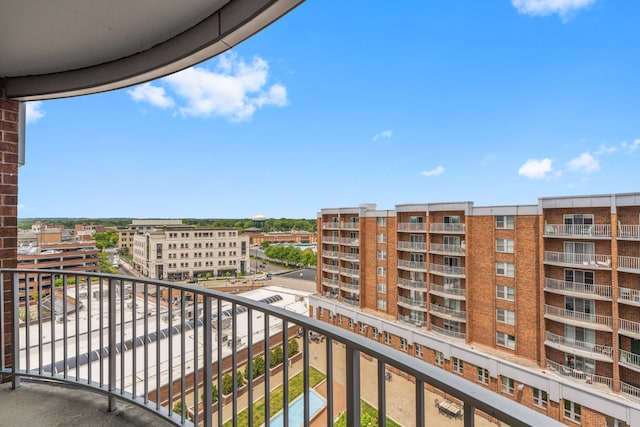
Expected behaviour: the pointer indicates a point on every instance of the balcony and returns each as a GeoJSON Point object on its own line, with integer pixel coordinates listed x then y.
{"type": "Point", "coordinates": [351, 272]}
{"type": "Point", "coordinates": [333, 225]}
{"type": "Point", "coordinates": [630, 360]}
{"type": "Point", "coordinates": [350, 287]}
{"type": "Point", "coordinates": [587, 290]}
{"type": "Point", "coordinates": [448, 313]}
{"type": "Point", "coordinates": [412, 284]}
{"type": "Point", "coordinates": [412, 246]}
{"type": "Point", "coordinates": [438, 248]}
{"type": "Point", "coordinates": [629, 264]}
{"type": "Point", "coordinates": [593, 321]}
{"type": "Point", "coordinates": [331, 283]}
{"type": "Point", "coordinates": [412, 265]}
{"type": "Point", "coordinates": [350, 241]}
{"type": "Point", "coordinates": [330, 268]}
{"type": "Point", "coordinates": [594, 231]}
{"type": "Point", "coordinates": [447, 270]}
{"type": "Point", "coordinates": [630, 390]}
{"type": "Point", "coordinates": [349, 226]}
{"type": "Point", "coordinates": [629, 296]}
{"type": "Point", "coordinates": [590, 379]}
{"type": "Point", "coordinates": [350, 256]}
{"type": "Point", "coordinates": [408, 320]}
{"type": "Point", "coordinates": [629, 232]}
{"type": "Point", "coordinates": [114, 346]}
{"type": "Point", "coordinates": [350, 301]}
{"type": "Point", "coordinates": [412, 303]}
{"type": "Point", "coordinates": [629, 328]}
{"type": "Point", "coordinates": [448, 291]}
{"type": "Point", "coordinates": [330, 239]}
{"type": "Point", "coordinates": [330, 254]}
{"type": "Point", "coordinates": [446, 228]}
{"type": "Point", "coordinates": [447, 332]}
{"type": "Point", "coordinates": [574, 259]}
{"type": "Point", "coordinates": [581, 348]}
{"type": "Point", "coordinates": [412, 226]}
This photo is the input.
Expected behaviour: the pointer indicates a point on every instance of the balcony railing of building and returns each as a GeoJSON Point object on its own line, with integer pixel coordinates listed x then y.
{"type": "Point", "coordinates": [350, 241]}
{"type": "Point", "coordinates": [447, 270]}
{"type": "Point", "coordinates": [629, 263]}
{"type": "Point", "coordinates": [330, 267]}
{"type": "Point", "coordinates": [628, 231]}
{"type": "Point", "coordinates": [418, 323]}
{"type": "Point", "coordinates": [131, 342]}
{"type": "Point", "coordinates": [412, 284]}
{"type": "Point", "coordinates": [580, 376]}
{"type": "Point", "coordinates": [412, 302]}
{"type": "Point", "coordinates": [350, 256]}
{"type": "Point", "coordinates": [446, 249]}
{"type": "Point", "coordinates": [593, 231]}
{"type": "Point", "coordinates": [595, 320]}
{"type": "Point", "coordinates": [349, 225]}
{"type": "Point", "coordinates": [443, 227]}
{"type": "Point", "coordinates": [412, 265]}
{"type": "Point", "coordinates": [332, 283]}
{"type": "Point", "coordinates": [350, 301]}
{"type": "Point", "coordinates": [597, 351]}
{"type": "Point", "coordinates": [333, 225]}
{"type": "Point", "coordinates": [629, 328]}
{"type": "Point", "coordinates": [330, 239]}
{"type": "Point", "coordinates": [630, 296]}
{"type": "Point", "coordinates": [448, 291]}
{"type": "Point", "coordinates": [412, 226]}
{"type": "Point", "coordinates": [350, 286]}
{"type": "Point", "coordinates": [632, 360]}
{"type": "Point", "coordinates": [589, 290]}
{"type": "Point", "coordinates": [412, 246]}
{"type": "Point", "coordinates": [583, 260]}
{"type": "Point", "coordinates": [352, 272]}
{"type": "Point", "coordinates": [459, 316]}
{"type": "Point", "coordinates": [630, 390]}
{"type": "Point", "coordinates": [330, 254]}
{"type": "Point", "coordinates": [447, 332]}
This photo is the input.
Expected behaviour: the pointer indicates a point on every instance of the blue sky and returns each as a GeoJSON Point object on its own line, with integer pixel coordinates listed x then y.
{"type": "Point", "coordinates": [340, 103]}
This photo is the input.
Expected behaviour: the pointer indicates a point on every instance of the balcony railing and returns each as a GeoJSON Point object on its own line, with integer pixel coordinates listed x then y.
{"type": "Point", "coordinates": [412, 226]}
{"type": "Point", "coordinates": [330, 254]}
{"type": "Point", "coordinates": [629, 328]}
{"type": "Point", "coordinates": [333, 225]}
{"type": "Point", "coordinates": [583, 260]}
{"type": "Point", "coordinates": [412, 284]}
{"type": "Point", "coordinates": [332, 283]}
{"type": "Point", "coordinates": [588, 289]}
{"type": "Point", "coordinates": [629, 358]}
{"type": "Point", "coordinates": [146, 341]}
{"type": "Point", "coordinates": [350, 256]}
{"type": "Point", "coordinates": [629, 263]}
{"type": "Point", "coordinates": [330, 267]}
{"type": "Point", "coordinates": [412, 302]}
{"type": "Point", "coordinates": [330, 239]}
{"type": "Point", "coordinates": [447, 332]}
{"type": "Point", "coordinates": [595, 319]}
{"type": "Point", "coordinates": [448, 290]}
{"type": "Point", "coordinates": [578, 375]}
{"type": "Point", "coordinates": [457, 315]}
{"type": "Point", "coordinates": [630, 390]}
{"type": "Point", "coordinates": [352, 272]}
{"type": "Point", "coordinates": [351, 302]}
{"type": "Point", "coordinates": [594, 349]}
{"type": "Point", "coordinates": [446, 249]}
{"type": "Point", "coordinates": [629, 296]}
{"type": "Point", "coordinates": [412, 246]}
{"type": "Point", "coordinates": [418, 323]}
{"type": "Point", "coordinates": [447, 270]}
{"type": "Point", "coordinates": [446, 228]}
{"type": "Point", "coordinates": [349, 225]}
{"type": "Point", "coordinates": [628, 231]}
{"type": "Point", "coordinates": [350, 286]}
{"type": "Point", "coordinates": [593, 231]}
{"type": "Point", "coordinates": [350, 241]}
{"type": "Point", "coordinates": [412, 265]}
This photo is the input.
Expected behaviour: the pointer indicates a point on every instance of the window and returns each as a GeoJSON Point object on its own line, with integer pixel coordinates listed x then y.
{"type": "Point", "coordinates": [350, 323]}
{"type": "Point", "coordinates": [438, 358]}
{"type": "Point", "coordinates": [382, 254]}
{"type": "Point", "coordinates": [382, 238]}
{"type": "Point", "coordinates": [505, 245]}
{"type": "Point", "coordinates": [505, 340]}
{"type": "Point", "coordinates": [361, 327]}
{"type": "Point", "coordinates": [382, 221]}
{"type": "Point", "coordinates": [403, 344]}
{"type": "Point", "coordinates": [374, 333]}
{"type": "Point", "coordinates": [321, 312]}
{"type": "Point", "coordinates": [418, 348]}
{"type": "Point", "coordinates": [506, 384]}
{"type": "Point", "coordinates": [572, 411]}
{"type": "Point", "coordinates": [504, 221]}
{"type": "Point", "coordinates": [382, 288]}
{"type": "Point", "coordinates": [483, 375]}
{"type": "Point", "coordinates": [382, 304]}
{"type": "Point", "coordinates": [339, 319]}
{"type": "Point", "coordinates": [505, 292]}
{"type": "Point", "coordinates": [505, 269]}
{"type": "Point", "coordinates": [506, 316]}
{"type": "Point", "coordinates": [387, 338]}
{"type": "Point", "coordinates": [458, 365]}
{"type": "Point", "coordinates": [540, 398]}
{"type": "Point", "coordinates": [382, 271]}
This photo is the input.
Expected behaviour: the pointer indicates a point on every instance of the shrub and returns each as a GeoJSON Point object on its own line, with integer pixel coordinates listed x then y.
{"type": "Point", "coordinates": [214, 394]}
{"type": "Point", "coordinates": [293, 347]}
{"type": "Point", "coordinates": [227, 382]}
{"type": "Point", "coordinates": [258, 367]}
{"type": "Point", "coordinates": [276, 357]}
{"type": "Point", "coordinates": [177, 407]}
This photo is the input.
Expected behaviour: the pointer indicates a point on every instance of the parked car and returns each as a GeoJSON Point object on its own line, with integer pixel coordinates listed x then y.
{"type": "Point", "coordinates": [260, 278]}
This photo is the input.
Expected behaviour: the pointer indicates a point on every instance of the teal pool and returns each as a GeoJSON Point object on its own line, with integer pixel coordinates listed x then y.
{"type": "Point", "coordinates": [296, 410]}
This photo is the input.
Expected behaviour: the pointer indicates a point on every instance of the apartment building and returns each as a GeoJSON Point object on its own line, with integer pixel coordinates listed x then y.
{"type": "Point", "coordinates": [182, 252]}
{"type": "Point", "coordinates": [125, 235]}
{"type": "Point", "coordinates": [544, 298]}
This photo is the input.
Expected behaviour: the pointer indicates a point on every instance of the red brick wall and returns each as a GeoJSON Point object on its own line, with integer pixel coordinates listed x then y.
{"type": "Point", "coordinates": [9, 201]}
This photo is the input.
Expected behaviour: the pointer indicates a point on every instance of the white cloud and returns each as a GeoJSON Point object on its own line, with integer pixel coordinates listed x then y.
{"type": "Point", "coordinates": [604, 149]}
{"type": "Point", "coordinates": [385, 134]}
{"type": "Point", "coordinates": [234, 90]}
{"type": "Point", "coordinates": [433, 172]}
{"type": "Point", "coordinates": [536, 169]}
{"type": "Point", "coordinates": [564, 8]}
{"type": "Point", "coordinates": [34, 111]}
{"type": "Point", "coordinates": [584, 162]}
{"type": "Point", "coordinates": [154, 95]}
{"type": "Point", "coordinates": [631, 147]}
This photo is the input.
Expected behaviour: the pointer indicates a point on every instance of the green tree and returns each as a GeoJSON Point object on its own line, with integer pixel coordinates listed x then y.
{"type": "Point", "coordinates": [208, 275]}
{"type": "Point", "coordinates": [258, 367]}
{"type": "Point", "coordinates": [214, 394]}
{"type": "Point", "coordinates": [276, 357]}
{"type": "Point", "coordinates": [105, 265]}
{"type": "Point", "coordinates": [227, 382]}
{"type": "Point", "coordinates": [265, 244]}
{"type": "Point", "coordinates": [309, 257]}
{"type": "Point", "coordinates": [293, 347]}
{"type": "Point", "coordinates": [106, 239]}
{"type": "Point", "coordinates": [177, 407]}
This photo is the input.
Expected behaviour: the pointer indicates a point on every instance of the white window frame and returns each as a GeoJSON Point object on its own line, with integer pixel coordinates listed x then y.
{"type": "Point", "coordinates": [381, 238]}
{"type": "Point", "coordinates": [503, 292]}
{"type": "Point", "coordinates": [382, 221]}
{"type": "Point", "coordinates": [381, 303]}
{"type": "Point", "coordinates": [438, 357]}
{"type": "Point", "coordinates": [506, 269]}
{"type": "Point", "coordinates": [382, 288]}
{"type": "Point", "coordinates": [418, 349]}
{"type": "Point", "coordinates": [506, 246]}
{"type": "Point", "coordinates": [339, 319]}
{"type": "Point", "coordinates": [350, 323]}
{"type": "Point", "coordinates": [381, 254]}
{"type": "Point", "coordinates": [505, 316]}
{"type": "Point", "coordinates": [506, 340]}
{"type": "Point", "coordinates": [507, 385]}
{"type": "Point", "coordinates": [505, 222]}
{"type": "Point", "coordinates": [483, 376]}
{"type": "Point", "coordinates": [375, 334]}
{"type": "Point", "coordinates": [572, 411]}
{"type": "Point", "coordinates": [403, 344]}
{"type": "Point", "coordinates": [382, 271]}
{"type": "Point", "coordinates": [457, 365]}
{"type": "Point", "coordinates": [540, 398]}
{"type": "Point", "coordinates": [361, 327]}
{"type": "Point", "coordinates": [387, 338]}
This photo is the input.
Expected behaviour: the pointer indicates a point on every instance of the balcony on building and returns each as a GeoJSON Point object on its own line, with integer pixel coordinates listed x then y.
{"type": "Point", "coordinates": [350, 272]}
{"type": "Point", "coordinates": [331, 268]}
{"type": "Point", "coordinates": [330, 254]}
{"type": "Point", "coordinates": [628, 232]}
{"type": "Point", "coordinates": [447, 227]}
{"type": "Point", "coordinates": [571, 259]}
{"type": "Point", "coordinates": [412, 284]}
{"type": "Point", "coordinates": [330, 239]}
{"type": "Point", "coordinates": [578, 231]}
{"type": "Point", "coordinates": [353, 302]}
{"type": "Point", "coordinates": [412, 246]}
{"type": "Point", "coordinates": [412, 226]}
{"type": "Point", "coordinates": [412, 303]}
{"type": "Point", "coordinates": [331, 225]}
{"type": "Point", "coordinates": [447, 270]}
{"type": "Point", "coordinates": [330, 283]}
{"type": "Point", "coordinates": [413, 321]}
{"type": "Point", "coordinates": [588, 320]}
{"type": "Point", "coordinates": [447, 313]}
{"type": "Point", "coordinates": [349, 225]}
{"type": "Point", "coordinates": [586, 290]}
{"type": "Point", "coordinates": [350, 256]}
{"type": "Point", "coordinates": [629, 296]}
{"type": "Point", "coordinates": [350, 241]}
{"type": "Point", "coordinates": [629, 264]}
{"type": "Point", "coordinates": [412, 265]}
{"type": "Point", "coordinates": [581, 348]}
{"type": "Point", "coordinates": [448, 291]}
{"type": "Point", "coordinates": [590, 379]}
{"type": "Point", "coordinates": [447, 332]}
{"type": "Point", "coordinates": [351, 287]}
{"type": "Point", "coordinates": [442, 249]}
{"type": "Point", "coordinates": [629, 360]}
{"type": "Point", "coordinates": [629, 328]}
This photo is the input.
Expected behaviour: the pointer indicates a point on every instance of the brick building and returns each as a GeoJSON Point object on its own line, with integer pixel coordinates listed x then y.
{"type": "Point", "coordinates": [544, 298]}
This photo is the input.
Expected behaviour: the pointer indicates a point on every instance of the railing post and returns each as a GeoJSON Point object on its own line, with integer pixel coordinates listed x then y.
{"type": "Point", "coordinates": [353, 386]}
{"type": "Point", "coordinates": [15, 363]}
{"type": "Point", "coordinates": [208, 369]}
{"type": "Point", "coordinates": [112, 345]}
{"type": "Point", "coordinates": [468, 415]}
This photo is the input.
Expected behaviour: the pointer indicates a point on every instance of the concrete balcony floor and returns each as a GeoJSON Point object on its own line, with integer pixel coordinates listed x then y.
{"type": "Point", "coordinates": [38, 405]}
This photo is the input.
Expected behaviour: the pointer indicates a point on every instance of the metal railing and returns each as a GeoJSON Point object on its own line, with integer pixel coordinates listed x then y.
{"type": "Point", "coordinates": [412, 284]}
{"type": "Point", "coordinates": [330, 239]}
{"type": "Point", "coordinates": [414, 265]}
{"type": "Point", "coordinates": [418, 323]}
{"type": "Point", "coordinates": [332, 283]}
{"type": "Point", "coordinates": [412, 246]}
{"type": "Point", "coordinates": [572, 315]}
{"type": "Point", "coordinates": [353, 272]}
{"type": "Point", "coordinates": [628, 231]}
{"type": "Point", "coordinates": [586, 231]}
{"type": "Point", "coordinates": [330, 267]}
{"type": "Point", "coordinates": [630, 390]}
{"type": "Point", "coordinates": [585, 260]}
{"type": "Point", "coordinates": [412, 226]}
{"type": "Point", "coordinates": [447, 332]}
{"type": "Point", "coordinates": [330, 254]}
{"type": "Point", "coordinates": [350, 241]}
{"type": "Point", "coordinates": [629, 358]}
{"type": "Point", "coordinates": [350, 256]}
{"type": "Point", "coordinates": [441, 227]}
{"type": "Point", "coordinates": [458, 315]}
{"type": "Point", "coordinates": [147, 342]}
{"type": "Point", "coordinates": [578, 375]}
{"type": "Point", "coordinates": [349, 225]}
{"type": "Point", "coordinates": [350, 286]}
{"type": "Point", "coordinates": [629, 326]}
{"type": "Point", "coordinates": [629, 263]}
{"type": "Point", "coordinates": [412, 302]}
{"type": "Point", "coordinates": [597, 349]}
{"type": "Point", "coordinates": [447, 270]}
{"type": "Point", "coordinates": [588, 289]}
{"type": "Point", "coordinates": [447, 249]}
{"type": "Point", "coordinates": [333, 225]}
{"type": "Point", "coordinates": [630, 295]}
{"type": "Point", "coordinates": [351, 302]}
{"type": "Point", "coordinates": [448, 290]}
